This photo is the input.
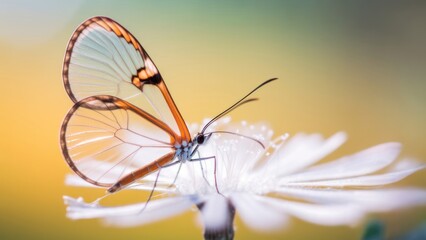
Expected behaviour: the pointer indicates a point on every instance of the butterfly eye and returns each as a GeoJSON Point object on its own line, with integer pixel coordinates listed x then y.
{"type": "Point", "coordinates": [200, 139]}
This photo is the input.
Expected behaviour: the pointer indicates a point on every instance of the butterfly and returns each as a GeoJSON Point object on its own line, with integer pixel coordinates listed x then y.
{"type": "Point", "coordinates": [124, 123]}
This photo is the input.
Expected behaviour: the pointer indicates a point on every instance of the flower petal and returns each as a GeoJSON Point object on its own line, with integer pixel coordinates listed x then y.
{"type": "Point", "coordinates": [128, 215]}
{"type": "Point", "coordinates": [364, 162]}
{"type": "Point", "coordinates": [372, 180]}
{"type": "Point", "coordinates": [256, 214]}
{"type": "Point", "coordinates": [376, 200]}
{"type": "Point", "coordinates": [216, 212]}
{"type": "Point", "coordinates": [76, 181]}
{"type": "Point", "coordinates": [407, 163]}
{"type": "Point", "coordinates": [330, 214]}
{"type": "Point", "coordinates": [100, 167]}
{"type": "Point", "coordinates": [303, 150]}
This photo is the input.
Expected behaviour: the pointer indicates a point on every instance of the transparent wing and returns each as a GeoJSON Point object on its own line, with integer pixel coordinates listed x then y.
{"type": "Point", "coordinates": [103, 58]}
{"type": "Point", "coordinates": [106, 144]}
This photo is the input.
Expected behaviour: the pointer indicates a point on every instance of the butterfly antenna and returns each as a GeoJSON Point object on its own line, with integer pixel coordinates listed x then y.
{"type": "Point", "coordinates": [240, 135]}
{"type": "Point", "coordinates": [237, 104]}
{"type": "Point", "coordinates": [228, 111]}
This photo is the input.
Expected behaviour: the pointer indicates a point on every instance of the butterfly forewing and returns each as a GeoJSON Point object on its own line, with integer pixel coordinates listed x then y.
{"type": "Point", "coordinates": [103, 58]}
{"type": "Point", "coordinates": [105, 144]}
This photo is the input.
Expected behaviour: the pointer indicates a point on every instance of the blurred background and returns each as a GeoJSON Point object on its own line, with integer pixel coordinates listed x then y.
{"type": "Point", "coordinates": [357, 66]}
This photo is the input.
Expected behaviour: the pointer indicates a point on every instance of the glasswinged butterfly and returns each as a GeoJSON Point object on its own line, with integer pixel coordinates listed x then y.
{"type": "Point", "coordinates": [113, 136]}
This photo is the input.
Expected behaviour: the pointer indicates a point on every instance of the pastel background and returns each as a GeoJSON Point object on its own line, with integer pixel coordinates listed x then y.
{"type": "Point", "coordinates": [357, 66]}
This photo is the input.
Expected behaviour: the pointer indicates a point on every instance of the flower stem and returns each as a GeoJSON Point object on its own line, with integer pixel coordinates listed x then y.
{"type": "Point", "coordinates": [225, 233]}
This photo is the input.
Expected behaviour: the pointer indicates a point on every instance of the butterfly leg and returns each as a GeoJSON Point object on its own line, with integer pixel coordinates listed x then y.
{"type": "Point", "coordinates": [156, 180]}
{"type": "Point", "coordinates": [97, 200]}
{"type": "Point", "coordinates": [177, 174]}
{"type": "Point", "coordinates": [155, 183]}
{"type": "Point", "coordinates": [152, 191]}
{"type": "Point", "coordinates": [214, 171]}
{"type": "Point", "coordinates": [202, 169]}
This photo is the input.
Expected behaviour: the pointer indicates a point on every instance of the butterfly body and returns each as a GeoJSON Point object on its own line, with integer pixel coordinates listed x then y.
{"type": "Point", "coordinates": [183, 151]}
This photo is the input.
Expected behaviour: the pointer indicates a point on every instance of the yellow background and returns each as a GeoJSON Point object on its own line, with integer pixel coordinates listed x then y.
{"type": "Point", "coordinates": [354, 66]}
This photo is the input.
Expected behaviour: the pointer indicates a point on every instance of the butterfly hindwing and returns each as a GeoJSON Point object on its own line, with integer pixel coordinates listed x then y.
{"type": "Point", "coordinates": [104, 145]}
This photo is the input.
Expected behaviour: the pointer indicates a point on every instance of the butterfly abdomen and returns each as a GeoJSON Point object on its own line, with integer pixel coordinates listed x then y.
{"type": "Point", "coordinates": [142, 172]}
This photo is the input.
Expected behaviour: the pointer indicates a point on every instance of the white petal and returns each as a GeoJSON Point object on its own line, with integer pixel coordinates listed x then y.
{"type": "Point", "coordinates": [372, 180]}
{"type": "Point", "coordinates": [375, 200]}
{"type": "Point", "coordinates": [128, 215]}
{"type": "Point", "coordinates": [256, 214]}
{"type": "Point", "coordinates": [364, 162]}
{"type": "Point", "coordinates": [407, 163]}
{"type": "Point", "coordinates": [216, 213]}
{"type": "Point", "coordinates": [303, 150]}
{"type": "Point", "coordinates": [331, 214]}
{"type": "Point", "coordinates": [100, 167]}
{"type": "Point", "coordinates": [74, 180]}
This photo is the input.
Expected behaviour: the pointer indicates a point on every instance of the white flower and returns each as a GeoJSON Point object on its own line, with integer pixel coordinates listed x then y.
{"type": "Point", "coordinates": [267, 185]}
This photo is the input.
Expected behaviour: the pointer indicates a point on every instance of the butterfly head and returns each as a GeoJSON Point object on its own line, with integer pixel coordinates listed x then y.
{"type": "Point", "coordinates": [201, 138]}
